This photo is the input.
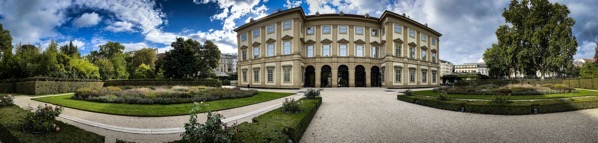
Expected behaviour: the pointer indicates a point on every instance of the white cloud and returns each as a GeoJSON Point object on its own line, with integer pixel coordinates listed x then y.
{"type": "Point", "coordinates": [586, 49]}
{"type": "Point", "coordinates": [292, 3]}
{"type": "Point", "coordinates": [134, 46]}
{"type": "Point", "coordinates": [96, 41]}
{"type": "Point", "coordinates": [31, 20]}
{"type": "Point", "coordinates": [87, 20]}
{"type": "Point", "coordinates": [120, 26]}
{"type": "Point", "coordinates": [80, 44]}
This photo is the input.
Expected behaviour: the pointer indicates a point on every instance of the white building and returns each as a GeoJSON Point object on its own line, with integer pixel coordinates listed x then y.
{"type": "Point", "coordinates": [446, 68]}
{"type": "Point", "coordinates": [479, 67]}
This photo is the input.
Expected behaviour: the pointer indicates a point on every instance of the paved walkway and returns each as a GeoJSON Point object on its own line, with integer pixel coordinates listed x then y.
{"type": "Point", "coordinates": [149, 129]}
{"type": "Point", "coordinates": [375, 115]}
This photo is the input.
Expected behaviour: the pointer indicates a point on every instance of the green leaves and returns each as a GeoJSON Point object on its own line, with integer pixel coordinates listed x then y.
{"type": "Point", "coordinates": [190, 59]}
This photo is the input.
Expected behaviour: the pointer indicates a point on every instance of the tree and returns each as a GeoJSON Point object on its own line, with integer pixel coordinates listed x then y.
{"type": "Point", "coordinates": [70, 50]}
{"type": "Point", "coordinates": [49, 65]}
{"type": "Point", "coordinates": [539, 39]}
{"type": "Point", "coordinates": [105, 68]}
{"type": "Point", "coordinates": [27, 61]}
{"type": "Point", "coordinates": [145, 56]}
{"type": "Point", "coordinates": [83, 69]}
{"type": "Point", "coordinates": [143, 71]}
{"type": "Point", "coordinates": [589, 69]}
{"type": "Point", "coordinates": [596, 52]}
{"type": "Point", "coordinates": [6, 56]}
{"type": "Point", "coordinates": [113, 51]}
{"type": "Point", "coordinates": [181, 62]}
{"type": "Point", "coordinates": [208, 56]}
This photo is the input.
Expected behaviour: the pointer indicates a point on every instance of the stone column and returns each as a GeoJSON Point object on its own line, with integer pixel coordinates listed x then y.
{"type": "Point", "coordinates": [318, 76]}
{"type": "Point", "coordinates": [368, 78]}
{"type": "Point", "coordinates": [351, 77]}
{"type": "Point", "coordinates": [334, 75]}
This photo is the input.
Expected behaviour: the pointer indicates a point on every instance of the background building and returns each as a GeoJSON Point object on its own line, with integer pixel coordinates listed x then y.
{"type": "Point", "coordinates": [480, 68]}
{"type": "Point", "coordinates": [288, 49]}
{"type": "Point", "coordinates": [226, 65]}
{"type": "Point", "coordinates": [580, 62]}
{"type": "Point", "coordinates": [446, 68]}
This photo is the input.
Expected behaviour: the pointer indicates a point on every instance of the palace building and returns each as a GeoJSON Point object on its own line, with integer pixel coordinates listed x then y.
{"type": "Point", "coordinates": [288, 49]}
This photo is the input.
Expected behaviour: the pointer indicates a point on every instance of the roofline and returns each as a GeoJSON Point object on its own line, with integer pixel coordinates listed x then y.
{"type": "Point", "coordinates": [386, 13]}
{"type": "Point", "coordinates": [302, 13]}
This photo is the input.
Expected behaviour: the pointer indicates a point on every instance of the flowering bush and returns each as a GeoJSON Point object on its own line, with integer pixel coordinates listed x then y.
{"type": "Point", "coordinates": [6, 100]}
{"type": "Point", "coordinates": [291, 106]}
{"type": "Point", "coordinates": [42, 120]}
{"type": "Point", "coordinates": [312, 93]}
{"type": "Point", "coordinates": [213, 131]}
{"type": "Point", "coordinates": [408, 92]}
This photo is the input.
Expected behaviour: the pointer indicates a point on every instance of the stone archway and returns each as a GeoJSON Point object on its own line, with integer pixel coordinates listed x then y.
{"type": "Point", "coordinates": [360, 76]}
{"type": "Point", "coordinates": [326, 76]}
{"type": "Point", "coordinates": [343, 76]}
{"type": "Point", "coordinates": [375, 77]}
{"type": "Point", "coordinates": [310, 77]}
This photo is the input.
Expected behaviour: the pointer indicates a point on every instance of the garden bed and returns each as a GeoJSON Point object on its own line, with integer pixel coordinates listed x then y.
{"type": "Point", "coordinates": [156, 110]}
{"type": "Point", "coordinates": [278, 126]}
{"type": "Point", "coordinates": [11, 130]}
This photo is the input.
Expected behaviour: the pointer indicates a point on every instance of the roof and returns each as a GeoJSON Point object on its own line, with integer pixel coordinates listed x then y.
{"type": "Point", "coordinates": [365, 17]}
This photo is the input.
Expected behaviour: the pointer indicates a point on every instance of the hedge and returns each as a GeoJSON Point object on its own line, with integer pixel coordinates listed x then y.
{"type": "Point", "coordinates": [500, 82]}
{"type": "Point", "coordinates": [521, 108]}
{"type": "Point", "coordinates": [7, 87]}
{"type": "Point", "coordinates": [586, 83]}
{"type": "Point", "coordinates": [53, 87]}
{"type": "Point", "coordinates": [11, 132]}
{"type": "Point", "coordinates": [164, 82]}
{"type": "Point", "coordinates": [277, 126]}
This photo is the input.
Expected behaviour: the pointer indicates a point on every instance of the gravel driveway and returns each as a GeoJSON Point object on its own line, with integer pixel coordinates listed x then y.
{"type": "Point", "coordinates": [375, 115]}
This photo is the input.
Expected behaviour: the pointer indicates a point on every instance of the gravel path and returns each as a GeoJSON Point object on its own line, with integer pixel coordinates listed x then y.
{"type": "Point", "coordinates": [375, 115]}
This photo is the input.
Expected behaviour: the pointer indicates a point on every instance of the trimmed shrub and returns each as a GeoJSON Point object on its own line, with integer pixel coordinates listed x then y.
{"type": "Point", "coordinates": [165, 82]}
{"type": "Point", "coordinates": [53, 87]}
{"type": "Point", "coordinates": [586, 83]}
{"type": "Point", "coordinates": [574, 83]}
{"type": "Point", "coordinates": [291, 106]}
{"type": "Point", "coordinates": [442, 95]}
{"type": "Point", "coordinates": [159, 95]}
{"type": "Point", "coordinates": [595, 82]}
{"type": "Point", "coordinates": [7, 87]}
{"type": "Point", "coordinates": [214, 130]}
{"type": "Point", "coordinates": [6, 100]}
{"type": "Point", "coordinates": [312, 93]}
{"type": "Point", "coordinates": [408, 92]}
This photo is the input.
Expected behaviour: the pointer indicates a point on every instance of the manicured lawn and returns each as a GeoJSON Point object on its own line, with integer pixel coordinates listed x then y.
{"type": "Point", "coordinates": [581, 92]}
{"type": "Point", "coordinates": [10, 130]}
{"type": "Point", "coordinates": [155, 110]}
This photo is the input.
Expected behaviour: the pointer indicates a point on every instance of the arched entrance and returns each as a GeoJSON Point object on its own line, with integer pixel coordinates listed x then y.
{"type": "Point", "coordinates": [326, 78]}
{"type": "Point", "coordinates": [310, 77]}
{"type": "Point", "coordinates": [375, 77]}
{"type": "Point", "coordinates": [359, 76]}
{"type": "Point", "coordinates": [343, 76]}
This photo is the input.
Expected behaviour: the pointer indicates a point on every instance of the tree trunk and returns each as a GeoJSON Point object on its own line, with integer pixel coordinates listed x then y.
{"type": "Point", "coordinates": [542, 75]}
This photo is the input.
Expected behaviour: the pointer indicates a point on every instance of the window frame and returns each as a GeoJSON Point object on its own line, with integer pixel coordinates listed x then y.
{"type": "Point", "coordinates": [412, 33]}
{"type": "Point", "coordinates": [342, 53]}
{"type": "Point", "coordinates": [374, 51]}
{"type": "Point", "coordinates": [284, 25]}
{"type": "Point", "coordinates": [424, 37]}
{"type": "Point", "coordinates": [270, 74]}
{"type": "Point", "coordinates": [424, 75]}
{"type": "Point", "coordinates": [340, 27]}
{"type": "Point", "coordinates": [326, 50]}
{"type": "Point", "coordinates": [286, 49]}
{"type": "Point", "coordinates": [243, 37]}
{"type": "Point", "coordinates": [374, 32]}
{"type": "Point", "coordinates": [398, 78]}
{"type": "Point", "coordinates": [412, 74]}
{"type": "Point", "coordinates": [310, 52]}
{"type": "Point", "coordinates": [324, 29]}
{"type": "Point", "coordinates": [271, 50]}
{"type": "Point", "coordinates": [258, 33]}
{"type": "Point", "coordinates": [398, 48]}
{"type": "Point", "coordinates": [256, 75]}
{"type": "Point", "coordinates": [286, 71]}
{"type": "Point", "coordinates": [424, 55]}
{"type": "Point", "coordinates": [357, 31]}
{"type": "Point", "coordinates": [271, 27]}
{"type": "Point", "coordinates": [256, 52]}
{"type": "Point", "coordinates": [307, 30]}
{"type": "Point", "coordinates": [359, 50]}
{"type": "Point", "coordinates": [400, 28]}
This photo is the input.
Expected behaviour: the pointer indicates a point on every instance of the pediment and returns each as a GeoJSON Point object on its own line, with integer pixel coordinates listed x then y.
{"type": "Point", "coordinates": [412, 44]}
{"type": "Point", "coordinates": [434, 50]}
{"type": "Point", "coordinates": [270, 40]}
{"type": "Point", "coordinates": [256, 44]}
{"type": "Point", "coordinates": [398, 40]}
{"type": "Point", "coordinates": [310, 41]}
{"type": "Point", "coordinates": [343, 41]}
{"type": "Point", "coordinates": [243, 47]}
{"type": "Point", "coordinates": [375, 43]}
{"type": "Point", "coordinates": [383, 41]}
{"type": "Point", "coordinates": [359, 41]}
{"type": "Point", "coordinates": [424, 48]}
{"type": "Point", "coordinates": [326, 41]}
{"type": "Point", "coordinates": [287, 37]}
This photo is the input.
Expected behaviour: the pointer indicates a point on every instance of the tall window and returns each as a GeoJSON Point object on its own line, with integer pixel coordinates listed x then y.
{"type": "Point", "coordinates": [424, 37]}
{"type": "Point", "coordinates": [256, 33]}
{"type": "Point", "coordinates": [359, 30]}
{"type": "Point", "coordinates": [433, 41]}
{"type": "Point", "coordinates": [374, 52]}
{"type": "Point", "coordinates": [326, 50]}
{"type": "Point", "coordinates": [270, 28]}
{"type": "Point", "coordinates": [310, 30]}
{"type": "Point", "coordinates": [287, 47]}
{"type": "Point", "coordinates": [411, 33]}
{"type": "Point", "coordinates": [244, 54]}
{"type": "Point", "coordinates": [256, 52]}
{"type": "Point", "coordinates": [256, 75]}
{"type": "Point", "coordinates": [243, 37]}
{"type": "Point", "coordinates": [310, 51]}
{"type": "Point", "coordinates": [342, 29]}
{"type": "Point", "coordinates": [411, 74]}
{"type": "Point", "coordinates": [433, 57]}
{"type": "Point", "coordinates": [412, 52]}
{"type": "Point", "coordinates": [286, 25]}
{"type": "Point", "coordinates": [245, 75]}
{"type": "Point", "coordinates": [343, 50]}
{"type": "Point", "coordinates": [359, 50]}
{"type": "Point", "coordinates": [433, 76]}
{"type": "Point", "coordinates": [326, 29]}
{"type": "Point", "coordinates": [270, 49]}
{"type": "Point", "coordinates": [398, 73]}
{"type": "Point", "coordinates": [374, 32]}
{"type": "Point", "coordinates": [270, 74]}
{"type": "Point", "coordinates": [398, 29]}
{"type": "Point", "coordinates": [287, 74]}
{"type": "Point", "coordinates": [382, 74]}
{"type": "Point", "coordinates": [424, 75]}
{"type": "Point", "coordinates": [398, 49]}
{"type": "Point", "coordinates": [424, 54]}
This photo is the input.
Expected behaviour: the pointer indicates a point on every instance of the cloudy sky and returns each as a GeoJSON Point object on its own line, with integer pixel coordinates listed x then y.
{"type": "Point", "coordinates": [467, 26]}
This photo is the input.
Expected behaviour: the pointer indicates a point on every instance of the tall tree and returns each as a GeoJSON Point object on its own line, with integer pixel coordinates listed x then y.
{"type": "Point", "coordinates": [49, 65]}
{"type": "Point", "coordinates": [181, 62]}
{"type": "Point", "coordinates": [113, 51]}
{"type": "Point", "coordinates": [145, 56]}
{"type": "Point", "coordinates": [70, 50]}
{"type": "Point", "coordinates": [208, 56]}
{"type": "Point", "coordinates": [6, 61]}
{"type": "Point", "coordinates": [596, 52]}
{"type": "Point", "coordinates": [5, 39]}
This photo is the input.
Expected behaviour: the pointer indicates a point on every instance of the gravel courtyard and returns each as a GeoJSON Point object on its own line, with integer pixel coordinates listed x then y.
{"type": "Point", "coordinates": [375, 115]}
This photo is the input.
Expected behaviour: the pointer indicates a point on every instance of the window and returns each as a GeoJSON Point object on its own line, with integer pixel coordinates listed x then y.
{"type": "Point", "coordinates": [343, 50]}
{"type": "Point", "coordinates": [424, 75]}
{"type": "Point", "coordinates": [245, 75]}
{"type": "Point", "coordinates": [256, 75]}
{"type": "Point", "coordinates": [398, 29]}
{"type": "Point", "coordinates": [326, 50]}
{"type": "Point", "coordinates": [270, 74]}
{"type": "Point", "coordinates": [286, 25]}
{"type": "Point", "coordinates": [270, 28]}
{"type": "Point", "coordinates": [256, 52]}
{"type": "Point", "coordinates": [326, 29]}
{"type": "Point", "coordinates": [424, 37]}
{"type": "Point", "coordinates": [433, 57]}
{"type": "Point", "coordinates": [342, 29]}
{"type": "Point", "coordinates": [287, 74]}
{"type": "Point", "coordinates": [243, 37]}
{"type": "Point", "coordinates": [244, 54]}
{"type": "Point", "coordinates": [433, 41]}
{"type": "Point", "coordinates": [310, 30]}
{"type": "Point", "coordinates": [411, 74]}
{"type": "Point", "coordinates": [398, 71]}
{"type": "Point", "coordinates": [424, 54]}
{"type": "Point", "coordinates": [374, 32]}
{"type": "Point", "coordinates": [411, 33]}
{"type": "Point", "coordinates": [412, 52]}
{"type": "Point", "coordinates": [359, 50]}
{"type": "Point", "coordinates": [256, 33]}
{"type": "Point", "coordinates": [270, 50]}
{"type": "Point", "coordinates": [374, 52]}
{"type": "Point", "coordinates": [287, 47]}
{"type": "Point", "coordinates": [433, 76]}
{"type": "Point", "coordinates": [359, 30]}
{"type": "Point", "coordinates": [398, 49]}
{"type": "Point", "coordinates": [310, 51]}
{"type": "Point", "coordinates": [382, 74]}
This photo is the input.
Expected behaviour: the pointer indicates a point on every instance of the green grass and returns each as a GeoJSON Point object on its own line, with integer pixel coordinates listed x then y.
{"type": "Point", "coordinates": [156, 110]}
{"type": "Point", "coordinates": [10, 128]}
{"type": "Point", "coordinates": [581, 92]}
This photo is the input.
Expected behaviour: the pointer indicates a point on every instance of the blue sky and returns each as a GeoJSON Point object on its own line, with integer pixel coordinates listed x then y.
{"type": "Point", "coordinates": [467, 26]}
